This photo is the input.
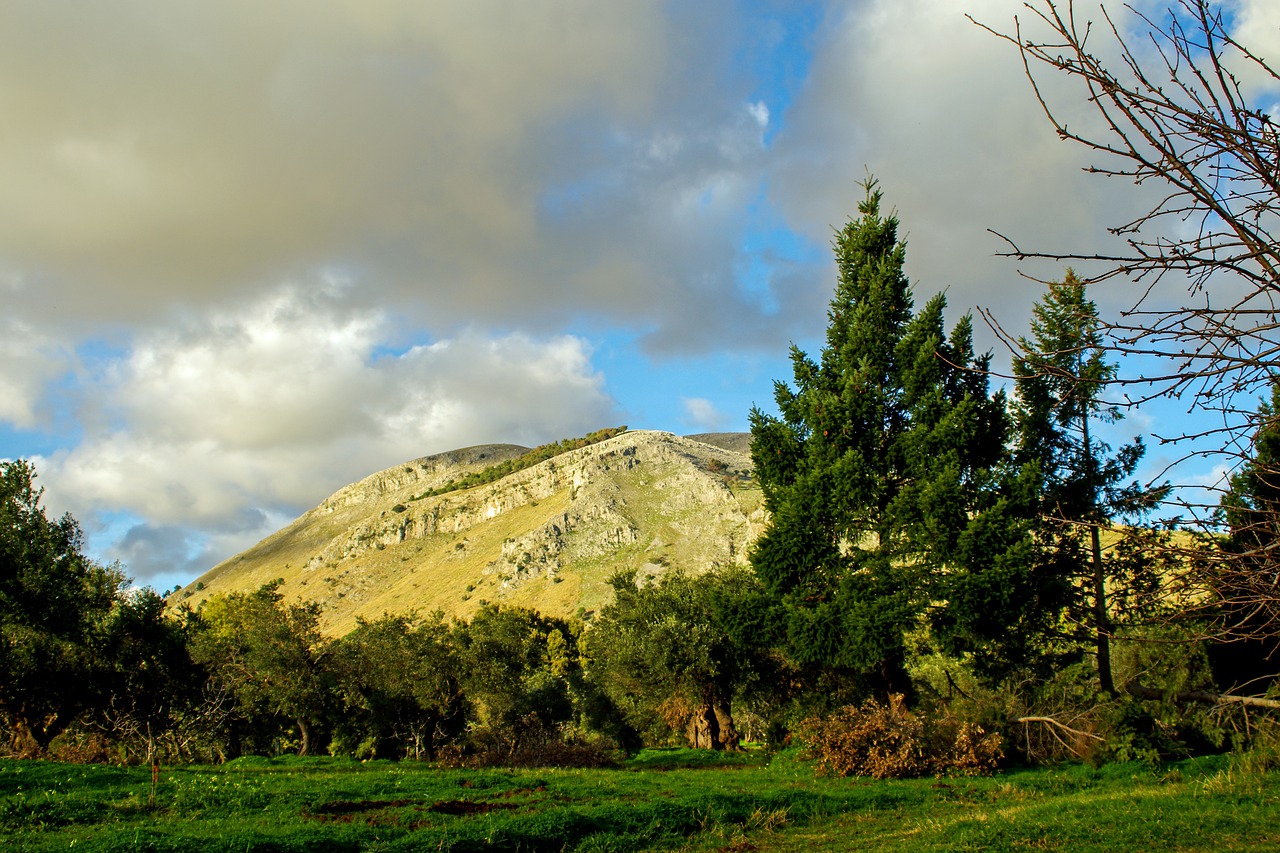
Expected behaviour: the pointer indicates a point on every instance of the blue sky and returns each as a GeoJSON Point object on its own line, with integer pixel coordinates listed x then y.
{"type": "Point", "coordinates": [252, 252]}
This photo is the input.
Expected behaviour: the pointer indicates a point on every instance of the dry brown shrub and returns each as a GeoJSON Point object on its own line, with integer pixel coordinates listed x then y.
{"type": "Point", "coordinates": [974, 751]}
{"type": "Point", "coordinates": [887, 741]}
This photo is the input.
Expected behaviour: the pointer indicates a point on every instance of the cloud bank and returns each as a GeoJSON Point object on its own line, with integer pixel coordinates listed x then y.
{"type": "Point", "coordinates": [250, 252]}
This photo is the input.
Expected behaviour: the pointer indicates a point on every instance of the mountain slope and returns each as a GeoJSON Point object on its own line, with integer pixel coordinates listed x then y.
{"type": "Point", "coordinates": [547, 537]}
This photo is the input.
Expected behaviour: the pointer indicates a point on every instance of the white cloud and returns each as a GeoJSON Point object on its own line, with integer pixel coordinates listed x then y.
{"type": "Point", "coordinates": [217, 421]}
{"type": "Point", "coordinates": [192, 152]}
{"type": "Point", "coordinates": [432, 172]}
{"type": "Point", "coordinates": [1256, 24]}
{"type": "Point", "coordinates": [939, 110]}
{"type": "Point", "coordinates": [702, 415]}
{"type": "Point", "coordinates": [29, 358]}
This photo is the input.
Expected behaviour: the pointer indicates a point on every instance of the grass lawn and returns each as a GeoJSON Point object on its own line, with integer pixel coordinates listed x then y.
{"type": "Point", "coordinates": [661, 800]}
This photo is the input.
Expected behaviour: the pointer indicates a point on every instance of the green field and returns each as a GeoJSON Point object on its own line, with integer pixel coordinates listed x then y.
{"type": "Point", "coordinates": [661, 800]}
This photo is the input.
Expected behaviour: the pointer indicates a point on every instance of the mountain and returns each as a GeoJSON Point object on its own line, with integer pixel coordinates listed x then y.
{"type": "Point", "coordinates": [547, 536]}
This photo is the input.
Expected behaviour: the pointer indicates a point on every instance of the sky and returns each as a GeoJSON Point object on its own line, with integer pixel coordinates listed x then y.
{"type": "Point", "coordinates": [251, 252]}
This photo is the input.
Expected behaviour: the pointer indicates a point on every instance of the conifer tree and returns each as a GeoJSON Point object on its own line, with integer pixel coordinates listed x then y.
{"type": "Point", "coordinates": [888, 483]}
{"type": "Point", "coordinates": [1252, 506]}
{"type": "Point", "coordinates": [1245, 579]}
{"type": "Point", "coordinates": [1061, 374]}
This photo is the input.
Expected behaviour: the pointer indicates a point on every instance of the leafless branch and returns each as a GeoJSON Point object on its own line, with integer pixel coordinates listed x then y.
{"type": "Point", "coordinates": [1203, 256]}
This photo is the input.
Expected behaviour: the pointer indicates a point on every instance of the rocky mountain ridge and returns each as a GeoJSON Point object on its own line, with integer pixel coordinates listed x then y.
{"type": "Point", "coordinates": [548, 536]}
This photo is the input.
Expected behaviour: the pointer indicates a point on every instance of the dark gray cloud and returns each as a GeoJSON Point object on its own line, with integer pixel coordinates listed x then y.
{"type": "Point", "coordinates": [465, 161]}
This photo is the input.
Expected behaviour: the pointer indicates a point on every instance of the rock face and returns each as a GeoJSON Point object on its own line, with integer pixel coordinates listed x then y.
{"type": "Point", "coordinates": [547, 537]}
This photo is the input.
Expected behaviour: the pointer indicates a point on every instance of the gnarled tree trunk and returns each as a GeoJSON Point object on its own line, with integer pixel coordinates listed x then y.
{"type": "Point", "coordinates": [304, 731]}
{"type": "Point", "coordinates": [711, 726]}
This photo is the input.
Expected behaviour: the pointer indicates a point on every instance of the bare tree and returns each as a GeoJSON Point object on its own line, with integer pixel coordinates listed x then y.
{"type": "Point", "coordinates": [1174, 109]}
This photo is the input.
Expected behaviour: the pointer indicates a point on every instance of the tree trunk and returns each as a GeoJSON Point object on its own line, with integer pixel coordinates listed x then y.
{"type": "Point", "coordinates": [1102, 620]}
{"type": "Point", "coordinates": [730, 739]}
{"type": "Point", "coordinates": [1101, 617]}
{"type": "Point", "coordinates": [711, 727]}
{"type": "Point", "coordinates": [304, 730]}
{"type": "Point", "coordinates": [703, 730]}
{"type": "Point", "coordinates": [27, 741]}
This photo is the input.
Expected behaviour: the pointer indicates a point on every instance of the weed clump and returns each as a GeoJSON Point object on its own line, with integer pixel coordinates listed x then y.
{"type": "Point", "coordinates": [887, 741]}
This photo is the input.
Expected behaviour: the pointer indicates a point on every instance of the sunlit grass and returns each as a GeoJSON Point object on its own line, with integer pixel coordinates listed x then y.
{"type": "Point", "coordinates": [662, 800]}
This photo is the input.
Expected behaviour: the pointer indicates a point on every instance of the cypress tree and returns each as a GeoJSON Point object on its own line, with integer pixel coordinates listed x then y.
{"type": "Point", "coordinates": [892, 497]}
{"type": "Point", "coordinates": [1244, 576]}
{"type": "Point", "coordinates": [1061, 374]}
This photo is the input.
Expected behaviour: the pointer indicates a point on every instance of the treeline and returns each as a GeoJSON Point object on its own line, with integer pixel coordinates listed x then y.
{"type": "Point", "coordinates": [541, 453]}
{"type": "Point", "coordinates": [951, 573]}
{"type": "Point", "coordinates": [92, 669]}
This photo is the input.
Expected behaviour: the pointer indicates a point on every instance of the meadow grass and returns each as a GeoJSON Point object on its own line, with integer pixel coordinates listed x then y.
{"type": "Point", "coordinates": [661, 800]}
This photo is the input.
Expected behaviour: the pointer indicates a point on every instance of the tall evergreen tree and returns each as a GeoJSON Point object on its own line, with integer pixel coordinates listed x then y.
{"type": "Point", "coordinates": [1061, 374]}
{"type": "Point", "coordinates": [1252, 505]}
{"type": "Point", "coordinates": [887, 481]}
{"type": "Point", "coordinates": [1245, 580]}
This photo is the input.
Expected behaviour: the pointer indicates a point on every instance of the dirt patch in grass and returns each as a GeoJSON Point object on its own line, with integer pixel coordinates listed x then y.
{"type": "Point", "coordinates": [349, 807]}
{"type": "Point", "coordinates": [468, 807]}
{"type": "Point", "coordinates": [374, 812]}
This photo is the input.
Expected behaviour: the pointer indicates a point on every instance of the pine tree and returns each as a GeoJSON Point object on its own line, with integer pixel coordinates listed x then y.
{"type": "Point", "coordinates": [1061, 374]}
{"type": "Point", "coordinates": [1252, 506]}
{"type": "Point", "coordinates": [1245, 578]}
{"type": "Point", "coordinates": [887, 481]}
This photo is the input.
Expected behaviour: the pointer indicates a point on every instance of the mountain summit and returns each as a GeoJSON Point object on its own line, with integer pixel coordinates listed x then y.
{"type": "Point", "coordinates": [454, 531]}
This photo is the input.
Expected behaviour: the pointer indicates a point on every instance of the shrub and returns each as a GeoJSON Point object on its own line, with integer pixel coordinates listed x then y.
{"type": "Point", "coordinates": [887, 741]}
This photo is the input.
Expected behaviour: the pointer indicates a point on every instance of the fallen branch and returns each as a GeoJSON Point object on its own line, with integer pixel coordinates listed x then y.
{"type": "Point", "coordinates": [1051, 721]}
{"type": "Point", "coordinates": [1204, 696]}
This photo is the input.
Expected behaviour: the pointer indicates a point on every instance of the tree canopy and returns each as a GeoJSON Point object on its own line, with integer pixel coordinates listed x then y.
{"type": "Point", "coordinates": [53, 601]}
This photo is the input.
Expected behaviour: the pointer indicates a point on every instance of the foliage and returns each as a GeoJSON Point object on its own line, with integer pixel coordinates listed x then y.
{"type": "Point", "coordinates": [887, 483]}
{"type": "Point", "coordinates": [518, 669]}
{"type": "Point", "coordinates": [398, 678]}
{"type": "Point", "coordinates": [148, 680]}
{"type": "Point", "coordinates": [666, 655]}
{"type": "Point", "coordinates": [270, 656]}
{"type": "Point", "coordinates": [53, 600]}
{"type": "Point", "coordinates": [540, 453]}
